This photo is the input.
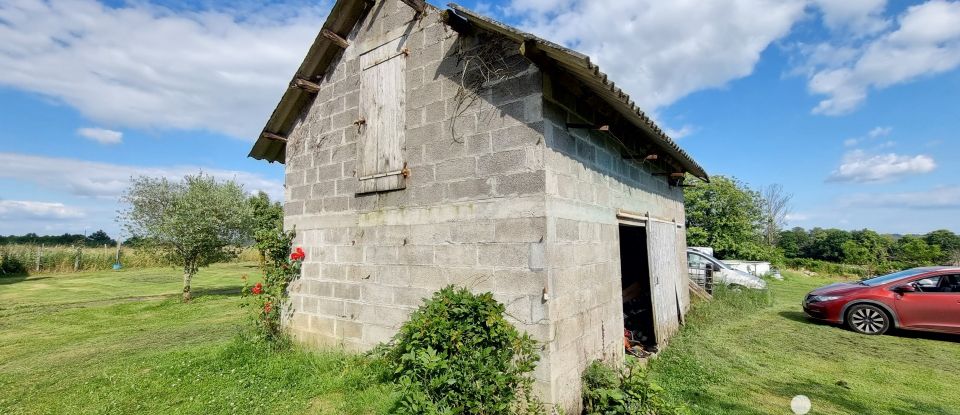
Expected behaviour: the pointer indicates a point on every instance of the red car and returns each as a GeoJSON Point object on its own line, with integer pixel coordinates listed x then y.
{"type": "Point", "coordinates": [925, 299]}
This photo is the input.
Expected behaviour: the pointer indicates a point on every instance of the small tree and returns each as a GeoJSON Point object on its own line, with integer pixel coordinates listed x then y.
{"type": "Point", "coordinates": [194, 222]}
{"type": "Point", "coordinates": [267, 219]}
{"type": "Point", "coordinates": [726, 215]}
{"type": "Point", "coordinates": [776, 207]}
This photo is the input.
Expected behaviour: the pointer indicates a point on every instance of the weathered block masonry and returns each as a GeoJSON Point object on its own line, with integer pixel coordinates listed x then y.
{"type": "Point", "coordinates": [426, 148]}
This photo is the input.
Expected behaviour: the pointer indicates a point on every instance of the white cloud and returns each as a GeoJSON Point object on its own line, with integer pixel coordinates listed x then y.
{"type": "Point", "coordinates": [142, 65]}
{"type": "Point", "coordinates": [797, 217]}
{"type": "Point", "coordinates": [660, 51]}
{"type": "Point", "coordinates": [16, 210]}
{"type": "Point", "coordinates": [926, 42]}
{"type": "Point", "coordinates": [861, 167]}
{"type": "Point", "coordinates": [879, 132]}
{"type": "Point", "coordinates": [101, 135]}
{"type": "Point", "coordinates": [681, 132]}
{"type": "Point", "coordinates": [859, 17]}
{"type": "Point", "coordinates": [93, 179]}
{"type": "Point", "coordinates": [876, 132]}
{"type": "Point", "coordinates": [942, 197]}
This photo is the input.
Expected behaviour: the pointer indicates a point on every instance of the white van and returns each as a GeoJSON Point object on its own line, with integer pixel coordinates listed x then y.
{"type": "Point", "coordinates": [723, 273]}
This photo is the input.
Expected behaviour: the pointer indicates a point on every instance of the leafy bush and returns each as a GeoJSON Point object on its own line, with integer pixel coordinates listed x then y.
{"type": "Point", "coordinates": [281, 265]}
{"type": "Point", "coordinates": [825, 267]}
{"type": "Point", "coordinates": [628, 391]}
{"type": "Point", "coordinates": [10, 264]}
{"type": "Point", "coordinates": [458, 355]}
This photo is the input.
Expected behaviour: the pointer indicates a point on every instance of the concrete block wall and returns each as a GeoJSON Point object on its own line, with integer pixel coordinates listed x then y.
{"type": "Point", "coordinates": [472, 213]}
{"type": "Point", "coordinates": [587, 181]}
{"type": "Point", "coordinates": [501, 198]}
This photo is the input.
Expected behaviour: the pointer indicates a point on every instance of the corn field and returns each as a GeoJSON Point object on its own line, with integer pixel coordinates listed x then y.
{"type": "Point", "coordinates": [19, 259]}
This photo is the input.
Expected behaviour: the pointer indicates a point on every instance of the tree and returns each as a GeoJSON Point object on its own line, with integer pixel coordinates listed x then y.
{"type": "Point", "coordinates": [100, 238]}
{"type": "Point", "coordinates": [726, 215]}
{"type": "Point", "coordinates": [267, 222]}
{"type": "Point", "coordinates": [794, 242]}
{"type": "Point", "coordinates": [948, 242]}
{"type": "Point", "coordinates": [776, 207]}
{"type": "Point", "coordinates": [826, 244]}
{"type": "Point", "coordinates": [914, 251]}
{"type": "Point", "coordinates": [193, 222]}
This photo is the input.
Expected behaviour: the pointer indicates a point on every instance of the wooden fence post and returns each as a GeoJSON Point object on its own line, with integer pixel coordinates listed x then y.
{"type": "Point", "coordinates": [76, 259]}
{"type": "Point", "coordinates": [39, 254]}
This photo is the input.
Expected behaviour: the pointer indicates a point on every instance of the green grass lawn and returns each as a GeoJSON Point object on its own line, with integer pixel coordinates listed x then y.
{"type": "Point", "coordinates": [121, 342]}
{"type": "Point", "coordinates": [747, 354]}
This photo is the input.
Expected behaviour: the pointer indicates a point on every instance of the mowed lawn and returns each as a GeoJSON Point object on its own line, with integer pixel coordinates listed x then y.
{"type": "Point", "coordinates": [121, 342]}
{"type": "Point", "coordinates": [746, 354]}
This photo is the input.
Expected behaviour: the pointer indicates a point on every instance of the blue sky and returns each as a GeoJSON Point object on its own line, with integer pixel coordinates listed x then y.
{"type": "Point", "coordinates": [851, 105]}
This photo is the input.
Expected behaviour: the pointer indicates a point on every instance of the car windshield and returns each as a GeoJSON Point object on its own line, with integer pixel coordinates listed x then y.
{"type": "Point", "coordinates": [883, 279]}
{"type": "Point", "coordinates": [714, 260]}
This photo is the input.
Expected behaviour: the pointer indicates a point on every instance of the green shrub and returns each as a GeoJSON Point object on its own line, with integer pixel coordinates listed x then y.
{"type": "Point", "coordinates": [458, 355]}
{"type": "Point", "coordinates": [628, 391]}
{"type": "Point", "coordinates": [11, 264]}
{"type": "Point", "coordinates": [833, 268]}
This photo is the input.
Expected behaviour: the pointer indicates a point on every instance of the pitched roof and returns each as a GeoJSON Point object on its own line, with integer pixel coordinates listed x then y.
{"type": "Point", "coordinates": [344, 16]}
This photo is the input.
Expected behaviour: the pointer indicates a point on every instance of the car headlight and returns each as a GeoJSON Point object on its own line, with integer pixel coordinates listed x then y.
{"type": "Point", "coordinates": [822, 298]}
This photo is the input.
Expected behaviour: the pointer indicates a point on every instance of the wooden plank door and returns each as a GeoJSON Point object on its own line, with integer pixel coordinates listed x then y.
{"type": "Point", "coordinates": [665, 275]}
{"type": "Point", "coordinates": [382, 106]}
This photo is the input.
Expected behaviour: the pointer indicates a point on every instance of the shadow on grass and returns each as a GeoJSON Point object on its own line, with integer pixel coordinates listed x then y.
{"type": "Point", "coordinates": [801, 317]}
{"type": "Point", "coordinates": [926, 335]}
{"type": "Point", "coordinates": [6, 279]}
{"type": "Point", "coordinates": [837, 396]}
{"type": "Point", "coordinates": [840, 398]}
{"type": "Point", "coordinates": [220, 292]}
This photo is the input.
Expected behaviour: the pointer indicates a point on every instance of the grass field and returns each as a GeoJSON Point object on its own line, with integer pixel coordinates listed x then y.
{"type": "Point", "coordinates": [751, 355]}
{"type": "Point", "coordinates": [120, 342]}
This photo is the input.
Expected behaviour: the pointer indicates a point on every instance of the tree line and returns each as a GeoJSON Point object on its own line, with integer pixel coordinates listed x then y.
{"type": "Point", "coordinates": [744, 223]}
{"type": "Point", "coordinates": [98, 238]}
{"type": "Point", "coordinates": [870, 248]}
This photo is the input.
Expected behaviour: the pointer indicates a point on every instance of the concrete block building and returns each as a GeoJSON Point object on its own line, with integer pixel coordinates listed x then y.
{"type": "Point", "coordinates": [427, 147]}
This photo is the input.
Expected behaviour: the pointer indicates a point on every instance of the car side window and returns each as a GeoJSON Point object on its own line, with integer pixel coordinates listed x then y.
{"type": "Point", "coordinates": [951, 284]}
{"type": "Point", "coordinates": [695, 260]}
{"type": "Point", "coordinates": [927, 285]}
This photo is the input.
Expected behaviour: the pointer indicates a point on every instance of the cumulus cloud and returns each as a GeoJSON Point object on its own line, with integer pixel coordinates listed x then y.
{"type": "Point", "coordinates": [862, 167]}
{"type": "Point", "coordinates": [146, 66]}
{"type": "Point", "coordinates": [926, 41]}
{"type": "Point", "coordinates": [876, 132]}
{"type": "Point", "coordinates": [15, 210]}
{"type": "Point", "coordinates": [859, 17]}
{"type": "Point", "coordinates": [879, 132]}
{"type": "Point", "coordinates": [104, 180]}
{"type": "Point", "coordinates": [101, 135]}
{"type": "Point", "coordinates": [942, 197]}
{"type": "Point", "coordinates": [660, 51]}
{"type": "Point", "coordinates": [680, 132]}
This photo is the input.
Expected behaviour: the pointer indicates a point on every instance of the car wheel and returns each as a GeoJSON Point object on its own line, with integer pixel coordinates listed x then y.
{"type": "Point", "coordinates": [868, 319]}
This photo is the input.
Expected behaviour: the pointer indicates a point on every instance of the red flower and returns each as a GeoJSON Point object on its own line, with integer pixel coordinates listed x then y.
{"type": "Point", "coordinates": [297, 254]}
{"type": "Point", "coordinates": [257, 289]}
{"type": "Point", "coordinates": [267, 307]}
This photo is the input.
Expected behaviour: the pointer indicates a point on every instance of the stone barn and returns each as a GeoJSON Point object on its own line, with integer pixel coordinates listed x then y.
{"type": "Point", "coordinates": [427, 147]}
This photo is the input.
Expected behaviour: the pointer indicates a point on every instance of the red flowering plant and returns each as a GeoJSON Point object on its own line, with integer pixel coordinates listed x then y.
{"type": "Point", "coordinates": [267, 298]}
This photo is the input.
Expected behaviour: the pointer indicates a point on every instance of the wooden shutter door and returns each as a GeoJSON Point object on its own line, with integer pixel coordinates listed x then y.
{"type": "Point", "coordinates": [382, 106]}
{"type": "Point", "coordinates": [665, 274]}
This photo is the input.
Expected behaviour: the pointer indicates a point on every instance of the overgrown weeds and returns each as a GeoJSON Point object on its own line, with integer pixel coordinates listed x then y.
{"type": "Point", "coordinates": [624, 391]}
{"type": "Point", "coordinates": [458, 355]}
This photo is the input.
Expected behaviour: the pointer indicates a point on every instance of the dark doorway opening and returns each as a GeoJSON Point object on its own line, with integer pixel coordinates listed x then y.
{"type": "Point", "coordinates": [637, 297]}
